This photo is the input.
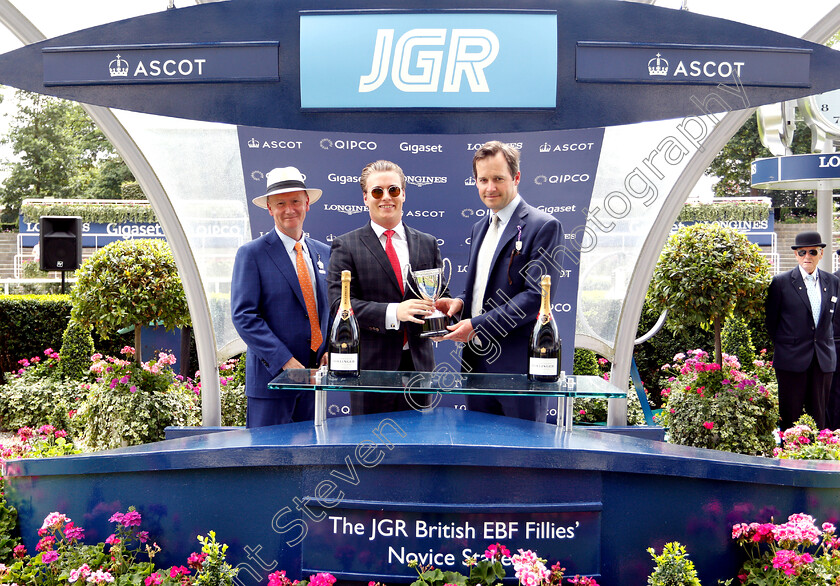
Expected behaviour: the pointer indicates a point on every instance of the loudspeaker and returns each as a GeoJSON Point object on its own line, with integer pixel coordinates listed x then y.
{"type": "Point", "coordinates": [61, 243]}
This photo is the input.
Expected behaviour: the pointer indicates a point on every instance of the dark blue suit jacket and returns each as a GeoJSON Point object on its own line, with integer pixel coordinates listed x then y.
{"type": "Point", "coordinates": [512, 296]}
{"type": "Point", "coordinates": [268, 309]}
{"type": "Point", "coordinates": [790, 322]}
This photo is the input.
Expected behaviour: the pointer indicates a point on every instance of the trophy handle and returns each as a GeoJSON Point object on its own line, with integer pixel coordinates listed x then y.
{"type": "Point", "coordinates": [446, 263]}
{"type": "Point", "coordinates": [408, 280]}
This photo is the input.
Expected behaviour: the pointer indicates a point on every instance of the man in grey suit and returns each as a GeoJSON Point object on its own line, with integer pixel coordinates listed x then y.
{"type": "Point", "coordinates": [800, 311]}
{"type": "Point", "coordinates": [389, 315]}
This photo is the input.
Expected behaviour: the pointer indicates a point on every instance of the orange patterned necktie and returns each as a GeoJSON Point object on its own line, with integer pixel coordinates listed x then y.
{"type": "Point", "coordinates": [309, 298]}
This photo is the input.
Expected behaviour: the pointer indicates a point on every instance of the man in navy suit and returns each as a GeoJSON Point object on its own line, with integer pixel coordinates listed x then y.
{"type": "Point", "coordinates": [800, 310]}
{"type": "Point", "coordinates": [279, 301]}
{"type": "Point", "coordinates": [509, 253]}
{"type": "Point", "coordinates": [832, 417]}
{"type": "Point", "coordinates": [389, 315]}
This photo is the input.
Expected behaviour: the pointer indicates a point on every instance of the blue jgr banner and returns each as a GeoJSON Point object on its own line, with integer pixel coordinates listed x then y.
{"type": "Point", "coordinates": [693, 64]}
{"type": "Point", "coordinates": [558, 172]}
{"type": "Point", "coordinates": [181, 63]}
{"type": "Point", "coordinates": [437, 60]}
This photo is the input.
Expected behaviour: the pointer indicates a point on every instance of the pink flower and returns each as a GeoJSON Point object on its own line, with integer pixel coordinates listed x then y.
{"type": "Point", "coordinates": [127, 350]}
{"type": "Point", "coordinates": [196, 560]}
{"type": "Point", "coordinates": [100, 577]}
{"type": "Point", "coordinates": [708, 424]}
{"type": "Point", "coordinates": [131, 519]}
{"type": "Point", "coordinates": [82, 571]}
{"type": "Point", "coordinates": [49, 557]}
{"type": "Point", "coordinates": [72, 532]}
{"type": "Point", "coordinates": [497, 550]}
{"type": "Point", "coordinates": [176, 571]}
{"type": "Point", "coordinates": [20, 551]}
{"type": "Point", "coordinates": [143, 536]}
{"type": "Point", "coordinates": [322, 579]}
{"type": "Point", "coordinates": [155, 578]}
{"type": "Point", "coordinates": [61, 433]}
{"type": "Point", "coordinates": [280, 579]}
{"type": "Point", "coordinates": [116, 518]}
{"type": "Point", "coordinates": [112, 539]}
{"type": "Point", "coordinates": [45, 544]}
{"type": "Point", "coordinates": [54, 520]}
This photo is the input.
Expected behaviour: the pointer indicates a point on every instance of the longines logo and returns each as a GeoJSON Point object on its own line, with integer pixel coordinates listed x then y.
{"type": "Point", "coordinates": [474, 146]}
{"type": "Point", "coordinates": [348, 145]}
{"type": "Point", "coordinates": [119, 67]}
{"type": "Point", "coordinates": [566, 178]}
{"type": "Point", "coordinates": [274, 144]}
{"type": "Point", "coordinates": [470, 212]}
{"type": "Point", "coordinates": [420, 181]}
{"type": "Point", "coordinates": [348, 209]}
{"type": "Point", "coordinates": [565, 147]}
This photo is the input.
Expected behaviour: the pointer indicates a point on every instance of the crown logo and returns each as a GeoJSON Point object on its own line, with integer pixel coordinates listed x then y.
{"type": "Point", "coordinates": [658, 65]}
{"type": "Point", "coordinates": [469, 181]}
{"type": "Point", "coordinates": [253, 143]}
{"type": "Point", "coordinates": [545, 148]}
{"type": "Point", "coordinates": [118, 67]}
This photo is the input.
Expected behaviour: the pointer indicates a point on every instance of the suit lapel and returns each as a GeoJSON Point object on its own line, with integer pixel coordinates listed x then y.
{"type": "Point", "coordinates": [373, 244]}
{"type": "Point", "coordinates": [321, 287]}
{"type": "Point", "coordinates": [518, 218]}
{"type": "Point", "coordinates": [278, 254]}
{"type": "Point", "coordinates": [479, 231]}
{"type": "Point", "coordinates": [801, 291]}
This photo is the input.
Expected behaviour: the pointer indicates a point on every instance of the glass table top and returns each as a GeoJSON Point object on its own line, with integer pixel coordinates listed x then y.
{"type": "Point", "coordinates": [386, 381]}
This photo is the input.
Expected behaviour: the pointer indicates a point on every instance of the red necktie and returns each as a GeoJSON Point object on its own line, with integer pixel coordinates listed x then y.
{"type": "Point", "coordinates": [395, 264]}
{"type": "Point", "coordinates": [395, 261]}
{"type": "Point", "coordinates": [309, 298]}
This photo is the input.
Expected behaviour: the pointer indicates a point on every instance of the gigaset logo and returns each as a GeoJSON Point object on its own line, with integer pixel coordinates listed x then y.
{"type": "Point", "coordinates": [469, 53]}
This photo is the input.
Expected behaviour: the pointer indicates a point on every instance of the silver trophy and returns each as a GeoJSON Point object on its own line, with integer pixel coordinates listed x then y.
{"type": "Point", "coordinates": [430, 284]}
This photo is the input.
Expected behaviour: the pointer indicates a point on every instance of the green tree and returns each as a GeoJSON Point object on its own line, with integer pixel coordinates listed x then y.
{"type": "Point", "coordinates": [58, 152]}
{"type": "Point", "coordinates": [129, 283]}
{"type": "Point", "coordinates": [707, 273]}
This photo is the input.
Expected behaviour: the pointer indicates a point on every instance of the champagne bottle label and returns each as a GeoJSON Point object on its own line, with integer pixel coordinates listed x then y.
{"type": "Point", "coordinates": [344, 361]}
{"type": "Point", "coordinates": [543, 366]}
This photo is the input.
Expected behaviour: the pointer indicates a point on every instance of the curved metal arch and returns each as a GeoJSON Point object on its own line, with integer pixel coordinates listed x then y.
{"type": "Point", "coordinates": [643, 271]}
{"type": "Point", "coordinates": [205, 338]}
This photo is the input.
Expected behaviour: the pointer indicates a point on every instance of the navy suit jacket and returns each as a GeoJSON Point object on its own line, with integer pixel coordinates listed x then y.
{"type": "Point", "coordinates": [373, 286]}
{"type": "Point", "coordinates": [268, 309]}
{"type": "Point", "coordinates": [790, 322]}
{"type": "Point", "coordinates": [513, 293]}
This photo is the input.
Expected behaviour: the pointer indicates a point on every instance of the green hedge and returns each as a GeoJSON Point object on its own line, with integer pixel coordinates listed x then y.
{"type": "Point", "coordinates": [724, 212]}
{"type": "Point", "coordinates": [29, 324]}
{"type": "Point", "coordinates": [90, 212]}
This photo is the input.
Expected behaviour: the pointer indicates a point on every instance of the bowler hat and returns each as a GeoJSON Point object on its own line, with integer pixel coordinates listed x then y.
{"type": "Point", "coordinates": [285, 180]}
{"type": "Point", "coordinates": [804, 239]}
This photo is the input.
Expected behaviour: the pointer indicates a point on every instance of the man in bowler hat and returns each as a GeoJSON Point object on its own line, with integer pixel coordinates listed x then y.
{"type": "Point", "coordinates": [800, 311]}
{"type": "Point", "coordinates": [833, 413]}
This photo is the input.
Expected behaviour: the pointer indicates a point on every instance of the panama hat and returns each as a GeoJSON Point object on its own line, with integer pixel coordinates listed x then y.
{"type": "Point", "coordinates": [804, 239]}
{"type": "Point", "coordinates": [285, 180]}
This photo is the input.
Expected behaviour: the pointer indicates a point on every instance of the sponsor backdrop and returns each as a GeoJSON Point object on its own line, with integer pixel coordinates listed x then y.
{"type": "Point", "coordinates": [558, 170]}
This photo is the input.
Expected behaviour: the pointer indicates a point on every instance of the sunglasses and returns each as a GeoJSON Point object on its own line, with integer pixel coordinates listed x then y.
{"type": "Point", "coordinates": [378, 192]}
{"type": "Point", "coordinates": [801, 252]}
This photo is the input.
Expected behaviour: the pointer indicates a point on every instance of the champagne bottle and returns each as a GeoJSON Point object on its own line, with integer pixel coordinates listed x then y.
{"type": "Point", "coordinates": [344, 336]}
{"type": "Point", "coordinates": [545, 348]}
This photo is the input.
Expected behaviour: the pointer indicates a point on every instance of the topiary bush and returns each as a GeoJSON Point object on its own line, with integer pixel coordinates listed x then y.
{"type": "Point", "coordinates": [76, 350]}
{"type": "Point", "coordinates": [705, 274]}
{"type": "Point", "coordinates": [736, 340]}
{"type": "Point", "coordinates": [130, 283]}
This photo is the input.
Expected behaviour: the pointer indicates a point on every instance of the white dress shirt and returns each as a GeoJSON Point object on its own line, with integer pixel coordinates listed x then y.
{"type": "Point", "coordinates": [400, 242]}
{"type": "Point", "coordinates": [486, 252]}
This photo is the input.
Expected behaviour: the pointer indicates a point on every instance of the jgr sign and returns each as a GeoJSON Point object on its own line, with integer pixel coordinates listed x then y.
{"type": "Point", "coordinates": [428, 60]}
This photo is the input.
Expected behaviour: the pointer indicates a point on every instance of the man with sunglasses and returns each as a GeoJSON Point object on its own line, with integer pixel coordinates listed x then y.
{"type": "Point", "coordinates": [799, 313]}
{"type": "Point", "coordinates": [389, 315]}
